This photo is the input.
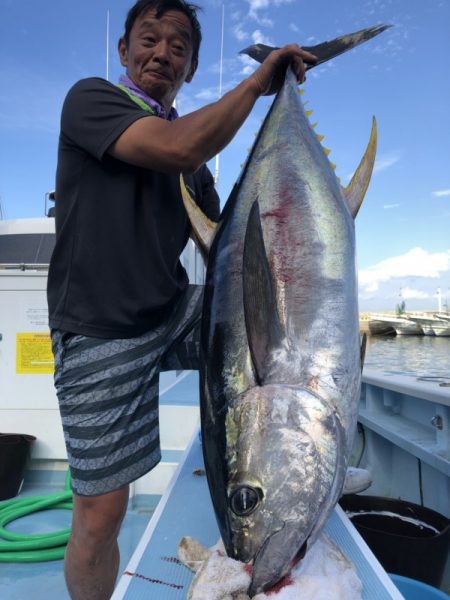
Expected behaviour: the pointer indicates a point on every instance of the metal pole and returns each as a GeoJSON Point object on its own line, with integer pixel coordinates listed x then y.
{"type": "Point", "coordinates": [216, 172]}
{"type": "Point", "coordinates": [107, 45]}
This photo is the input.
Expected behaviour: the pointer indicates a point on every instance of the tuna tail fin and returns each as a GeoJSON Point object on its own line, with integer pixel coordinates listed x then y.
{"type": "Point", "coordinates": [355, 191]}
{"type": "Point", "coordinates": [262, 321]}
{"type": "Point", "coordinates": [324, 51]}
{"type": "Point", "coordinates": [203, 228]}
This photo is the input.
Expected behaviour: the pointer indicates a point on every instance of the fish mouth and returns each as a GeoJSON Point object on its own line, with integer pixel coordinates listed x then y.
{"type": "Point", "coordinates": [279, 554]}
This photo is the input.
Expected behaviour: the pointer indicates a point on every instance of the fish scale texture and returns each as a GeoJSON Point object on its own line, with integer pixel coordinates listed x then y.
{"type": "Point", "coordinates": [188, 512]}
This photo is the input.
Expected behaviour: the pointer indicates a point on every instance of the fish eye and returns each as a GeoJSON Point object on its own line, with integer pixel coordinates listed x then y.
{"type": "Point", "coordinates": [244, 500]}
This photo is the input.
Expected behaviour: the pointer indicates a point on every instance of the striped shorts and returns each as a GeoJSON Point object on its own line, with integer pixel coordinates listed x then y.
{"type": "Point", "coordinates": [108, 394]}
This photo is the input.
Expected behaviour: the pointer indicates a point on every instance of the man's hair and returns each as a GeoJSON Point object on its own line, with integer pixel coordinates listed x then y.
{"type": "Point", "coordinates": [161, 7]}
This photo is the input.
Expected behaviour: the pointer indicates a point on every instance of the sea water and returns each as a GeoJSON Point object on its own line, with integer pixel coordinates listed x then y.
{"type": "Point", "coordinates": [414, 355]}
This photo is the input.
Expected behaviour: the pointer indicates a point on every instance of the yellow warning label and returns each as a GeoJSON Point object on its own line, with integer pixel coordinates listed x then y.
{"type": "Point", "coordinates": [34, 354]}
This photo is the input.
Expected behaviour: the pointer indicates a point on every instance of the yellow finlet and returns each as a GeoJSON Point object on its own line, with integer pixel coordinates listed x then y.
{"type": "Point", "coordinates": [203, 228]}
{"type": "Point", "coordinates": [319, 136]}
{"type": "Point", "coordinates": [356, 189]}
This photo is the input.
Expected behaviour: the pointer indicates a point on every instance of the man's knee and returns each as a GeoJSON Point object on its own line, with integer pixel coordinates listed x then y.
{"type": "Point", "coordinates": [97, 519]}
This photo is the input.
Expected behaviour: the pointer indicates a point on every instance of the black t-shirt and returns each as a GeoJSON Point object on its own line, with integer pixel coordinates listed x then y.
{"type": "Point", "coordinates": [120, 229]}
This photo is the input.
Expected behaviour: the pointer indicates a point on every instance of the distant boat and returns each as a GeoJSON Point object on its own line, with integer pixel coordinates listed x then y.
{"type": "Point", "coordinates": [432, 325]}
{"type": "Point", "coordinates": [441, 327]}
{"type": "Point", "coordinates": [442, 330]}
{"type": "Point", "coordinates": [380, 327]}
{"type": "Point", "coordinates": [444, 316]}
{"type": "Point", "coordinates": [401, 326]}
{"type": "Point", "coordinates": [426, 323]}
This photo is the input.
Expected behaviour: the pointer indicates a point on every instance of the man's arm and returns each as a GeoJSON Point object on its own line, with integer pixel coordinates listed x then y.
{"type": "Point", "coordinates": [186, 143]}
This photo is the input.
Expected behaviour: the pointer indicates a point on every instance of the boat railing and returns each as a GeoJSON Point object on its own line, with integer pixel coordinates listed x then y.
{"type": "Point", "coordinates": [24, 266]}
{"type": "Point", "coordinates": [393, 407]}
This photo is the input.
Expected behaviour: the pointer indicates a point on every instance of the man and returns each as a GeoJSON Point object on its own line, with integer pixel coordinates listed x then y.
{"type": "Point", "coordinates": [120, 307]}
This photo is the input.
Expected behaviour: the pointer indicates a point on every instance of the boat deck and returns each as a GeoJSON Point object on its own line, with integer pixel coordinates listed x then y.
{"type": "Point", "coordinates": [45, 580]}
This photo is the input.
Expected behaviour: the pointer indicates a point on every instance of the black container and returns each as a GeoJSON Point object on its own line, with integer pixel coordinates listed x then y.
{"type": "Point", "coordinates": [14, 454]}
{"type": "Point", "coordinates": [416, 548]}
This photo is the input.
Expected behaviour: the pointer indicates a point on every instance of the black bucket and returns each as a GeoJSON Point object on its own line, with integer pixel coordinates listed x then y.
{"type": "Point", "coordinates": [406, 538]}
{"type": "Point", "coordinates": [14, 454]}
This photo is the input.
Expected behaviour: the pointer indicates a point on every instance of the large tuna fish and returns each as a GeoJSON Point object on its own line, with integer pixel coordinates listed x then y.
{"type": "Point", "coordinates": [281, 372]}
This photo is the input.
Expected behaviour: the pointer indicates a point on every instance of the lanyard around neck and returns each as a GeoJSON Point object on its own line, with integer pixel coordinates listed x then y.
{"type": "Point", "coordinates": [137, 100]}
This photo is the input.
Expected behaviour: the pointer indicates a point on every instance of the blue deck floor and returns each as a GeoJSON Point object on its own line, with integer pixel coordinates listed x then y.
{"type": "Point", "coordinates": [45, 580]}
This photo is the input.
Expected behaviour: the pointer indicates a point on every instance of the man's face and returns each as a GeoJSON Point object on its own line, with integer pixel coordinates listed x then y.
{"type": "Point", "coordinates": [159, 55]}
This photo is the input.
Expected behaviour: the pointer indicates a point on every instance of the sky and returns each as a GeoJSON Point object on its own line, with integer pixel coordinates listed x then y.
{"type": "Point", "coordinates": [402, 77]}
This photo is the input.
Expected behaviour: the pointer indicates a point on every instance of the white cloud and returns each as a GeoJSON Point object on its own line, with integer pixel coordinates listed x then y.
{"type": "Point", "coordinates": [239, 33]}
{"type": "Point", "coordinates": [413, 277]}
{"type": "Point", "coordinates": [412, 294]}
{"type": "Point", "coordinates": [389, 206]}
{"type": "Point", "coordinates": [441, 193]}
{"type": "Point", "coordinates": [417, 262]}
{"type": "Point", "coordinates": [382, 162]}
{"type": "Point", "coordinates": [386, 161]}
{"type": "Point", "coordinates": [192, 99]}
{"type": "Point", "coordinates": [321, 69]}
{"type": "Point", "coordinates": [257, 5]}
{"type": "Point", "coordinates": [266, 22]}
{"type": "Point", "coordinates": [248, 64]}
{"type": "Point", "coordinates": [208, 94]}
{"type": "Point", "coordinates": [259, 38]}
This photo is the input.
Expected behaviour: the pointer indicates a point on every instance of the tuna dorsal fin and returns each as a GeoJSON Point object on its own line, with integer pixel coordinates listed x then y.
{"type": "Point", "coordinates": [262, 322]}
{"type": "Point", "coordinates": [356, 189]}
{"type": "Point", "coordinates": [204, 229]}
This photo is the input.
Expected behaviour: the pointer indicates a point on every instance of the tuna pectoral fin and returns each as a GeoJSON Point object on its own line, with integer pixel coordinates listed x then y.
{"type": "Point", "coordinates": [363, 349]}
{"type": "Point", "coordinates": [356, 189]}
{"type": "Point", "coordinates": [262, 322]}
{"type": "Point", "coordinates": [204, 229]}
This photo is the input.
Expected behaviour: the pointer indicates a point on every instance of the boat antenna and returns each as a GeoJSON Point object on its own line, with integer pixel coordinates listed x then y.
{"type": "Point", "coordinates": [107, 45]}
{"type": "Point", "coordinates": [216, 171]}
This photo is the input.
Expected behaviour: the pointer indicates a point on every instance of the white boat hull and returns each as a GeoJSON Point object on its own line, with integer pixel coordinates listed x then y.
{"type": "Point", "coordinates": [408, 329]}
{"type": "Point", "coordinates": [433, 325]}
{"type": "Point", "coordinates": [441, 331]}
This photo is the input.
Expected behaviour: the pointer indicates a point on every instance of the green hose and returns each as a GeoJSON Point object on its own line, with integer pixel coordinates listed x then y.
{"type": "Point", "coordinates": [21, 547]}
